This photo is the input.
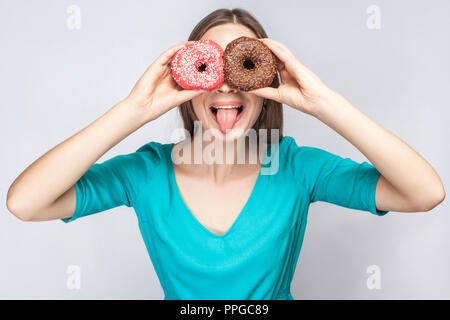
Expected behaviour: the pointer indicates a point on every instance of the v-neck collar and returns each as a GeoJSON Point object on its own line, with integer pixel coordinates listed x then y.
{"type": "Point", "coordinates": [242, 213]}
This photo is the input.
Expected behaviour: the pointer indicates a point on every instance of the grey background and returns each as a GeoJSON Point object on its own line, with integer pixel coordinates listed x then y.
{"type": "Point", "coordinates": [55, 81]}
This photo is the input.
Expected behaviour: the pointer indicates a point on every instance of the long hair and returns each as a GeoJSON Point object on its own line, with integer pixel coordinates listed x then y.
{"type": "Point", "coordinates": [270, 117]}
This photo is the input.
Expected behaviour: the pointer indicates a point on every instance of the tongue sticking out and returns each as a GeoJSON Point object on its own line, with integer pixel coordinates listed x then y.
{"type": "Point", "coordinates": [226, 118]}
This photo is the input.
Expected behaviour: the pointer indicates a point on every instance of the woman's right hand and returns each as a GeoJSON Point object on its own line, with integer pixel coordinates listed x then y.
{"type": "Point", "coordinates": [156, 92]}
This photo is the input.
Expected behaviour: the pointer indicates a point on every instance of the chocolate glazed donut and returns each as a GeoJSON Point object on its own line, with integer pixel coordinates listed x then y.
{"type": "Point", "coordinates": [248, 64]}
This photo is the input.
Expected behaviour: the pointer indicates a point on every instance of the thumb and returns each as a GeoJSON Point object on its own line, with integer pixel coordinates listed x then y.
{"type": "Point", "coordinates": [267, 93]}
{"type": "Point", "coordinates": [186, 95]}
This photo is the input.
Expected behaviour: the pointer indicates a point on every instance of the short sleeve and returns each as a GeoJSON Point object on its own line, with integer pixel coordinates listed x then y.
{"type": "Point", "coordinates": [110, 184]}
{"type": "Point", "coordinates": [334, 179]}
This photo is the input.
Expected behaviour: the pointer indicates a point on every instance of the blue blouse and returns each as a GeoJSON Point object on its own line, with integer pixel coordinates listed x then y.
{"type": "Point", "coordinates": [257, 256]}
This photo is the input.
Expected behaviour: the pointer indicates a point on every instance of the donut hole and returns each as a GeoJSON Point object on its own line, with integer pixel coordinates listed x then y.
{"type": "Point", "coordinates": [202, 67]}
{"type": "Point", "coordinates": [248, 64]}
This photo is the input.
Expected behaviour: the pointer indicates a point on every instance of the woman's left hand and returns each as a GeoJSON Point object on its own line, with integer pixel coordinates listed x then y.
{"type": "Point", "coordinates": [299, 88]}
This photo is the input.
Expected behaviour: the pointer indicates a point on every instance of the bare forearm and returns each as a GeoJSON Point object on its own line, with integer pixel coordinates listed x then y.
{"type": "Point", "coordinates": [47, 178]}
{"type": "Point", "coordinates": [408, 172]}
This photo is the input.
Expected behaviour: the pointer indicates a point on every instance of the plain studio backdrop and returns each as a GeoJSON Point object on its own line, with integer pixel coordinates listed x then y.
{"type": "Point", "coordinates": [65, 63]}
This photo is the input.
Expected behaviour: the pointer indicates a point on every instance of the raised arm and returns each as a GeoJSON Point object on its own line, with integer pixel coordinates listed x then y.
{"type": "Point", "coordinates": [45, 189]}
{"type": "Point", "coordinates": [408, 183]}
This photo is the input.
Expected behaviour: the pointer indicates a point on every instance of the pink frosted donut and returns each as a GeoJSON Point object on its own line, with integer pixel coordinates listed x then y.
{"type": "Point", "coordinates": [198, 65]}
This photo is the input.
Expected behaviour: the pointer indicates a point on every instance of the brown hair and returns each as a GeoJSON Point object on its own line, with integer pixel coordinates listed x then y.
{"type": "Point", "coordinates": [270, 117]}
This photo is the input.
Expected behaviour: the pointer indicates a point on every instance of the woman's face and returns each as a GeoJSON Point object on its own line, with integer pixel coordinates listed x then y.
{"type": "Point", "coordinates": [225, 95]}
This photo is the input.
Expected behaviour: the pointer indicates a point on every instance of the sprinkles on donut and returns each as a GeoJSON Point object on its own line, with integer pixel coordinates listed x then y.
{"type": "Point", "coordinates": [248, 64]}
{"type": "Point", "coordinates": [198, 65]}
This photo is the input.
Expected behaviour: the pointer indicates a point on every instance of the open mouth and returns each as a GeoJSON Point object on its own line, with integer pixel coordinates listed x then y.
{"type": "Point", "coordinates": [226, 116]}
{"type": "Point", "coordinates": [215, 109]}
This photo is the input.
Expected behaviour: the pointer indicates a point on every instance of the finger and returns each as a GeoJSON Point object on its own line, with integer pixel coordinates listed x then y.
{"type": "Point", "coordinates": [267, 93]}
{"type": "Point", "coordinates": [290, 61]}
{"type": "Point", "coordinates": [280, 65]}
{"type": "Point", "coordinates": [279, 45]}
{"type": "Point", "coordinates": [284, 48]}
{"type": "Point", "coordinates": [278, 50]}
{"type": "Point", "coordinates": [166, 56]}
{"type": "Point", "coordinates": [284, 73]}
{"type": "Point", "coordinates": [285, 77]}
{"type": "Point", "coordinates": [283, 57]}
{"type": "Point", "coordinates": [160, 65]}
{"type": "Point", "coordinates": [186, 95]}
{"type": "Point", "coordinates": [299, 64]}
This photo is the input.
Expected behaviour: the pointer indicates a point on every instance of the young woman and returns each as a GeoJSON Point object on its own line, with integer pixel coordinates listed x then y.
{"type": "Point", "coordinates": [225, 230]}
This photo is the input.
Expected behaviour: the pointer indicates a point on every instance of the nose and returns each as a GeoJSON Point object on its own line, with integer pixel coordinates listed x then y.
{"type": "Point", "coordinates": [225, 88]}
